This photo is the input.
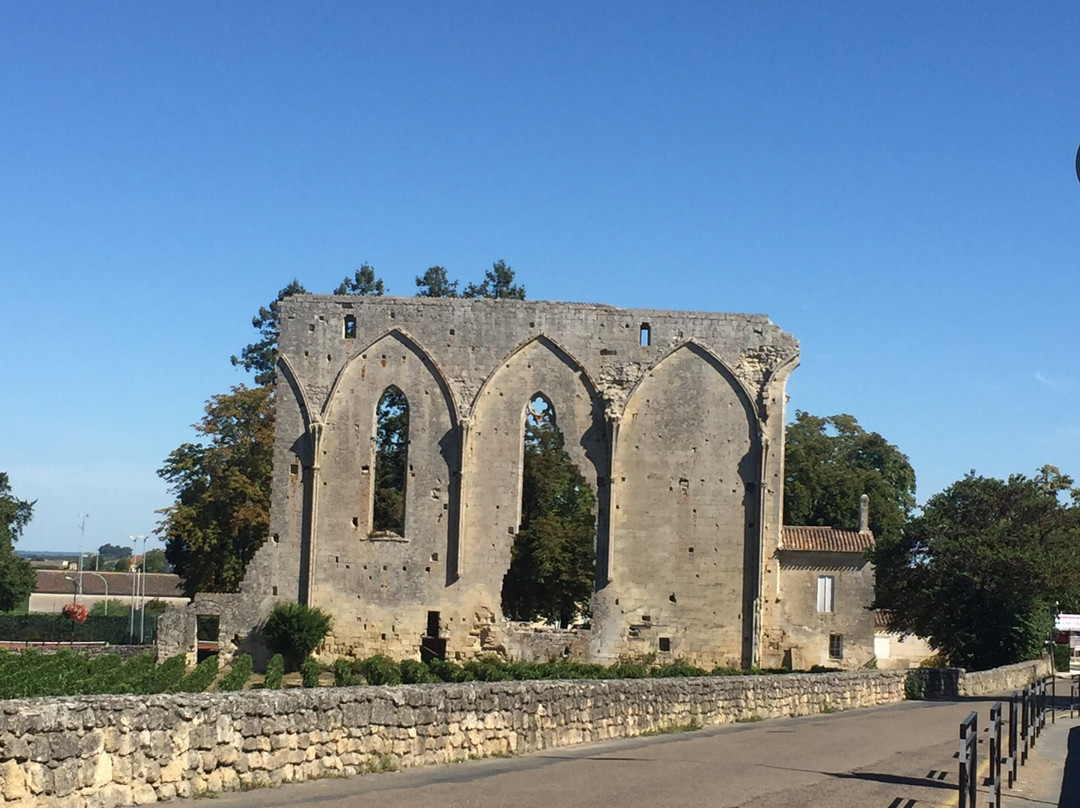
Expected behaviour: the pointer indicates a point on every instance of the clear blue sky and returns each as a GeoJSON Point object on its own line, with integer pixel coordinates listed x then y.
{"type": "Point", "coordinates": [891, 183]}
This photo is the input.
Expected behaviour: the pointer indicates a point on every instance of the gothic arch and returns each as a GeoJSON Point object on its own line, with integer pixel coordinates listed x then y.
{"type": "Point", "coordinates": [687, 467]}
{"type": "Point", "coordinates": [410, 344]}
{"type": "Point", "coordinates": [493, 451]}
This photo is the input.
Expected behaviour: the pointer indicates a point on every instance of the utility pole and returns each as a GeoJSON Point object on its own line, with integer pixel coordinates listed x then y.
{"type": "Point", "coordinates": [82, 536]}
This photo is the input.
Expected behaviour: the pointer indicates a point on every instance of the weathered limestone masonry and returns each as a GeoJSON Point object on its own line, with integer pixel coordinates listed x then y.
{"type": "Point", "coordinates": [675, 418]}
{"type": "Point", "coordinates": [112, 751]}
{"type": "Point", "coordinates": [951, 682]}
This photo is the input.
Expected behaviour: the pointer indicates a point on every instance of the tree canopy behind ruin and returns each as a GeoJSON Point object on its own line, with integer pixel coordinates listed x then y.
{"type": "Point", "coordinates": [830, 462]}
{"type": "Point", "coordinates": [17, 577]}
{"type": "Point", "coordinates": [221, 513]}
{"type": "Point", "coordinates": [982, 570]}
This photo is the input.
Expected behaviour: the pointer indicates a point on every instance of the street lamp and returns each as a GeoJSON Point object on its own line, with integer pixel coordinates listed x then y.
{"type": "Point", "coordinates": [139, 591]}
{"type": "Point", "coordinates": [106, 583]}
{"type": "Point", "coordinates": [135, 583]}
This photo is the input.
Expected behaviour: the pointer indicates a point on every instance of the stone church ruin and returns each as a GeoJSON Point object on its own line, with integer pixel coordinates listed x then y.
{"type": "Point", "coordinates": [674, 419]}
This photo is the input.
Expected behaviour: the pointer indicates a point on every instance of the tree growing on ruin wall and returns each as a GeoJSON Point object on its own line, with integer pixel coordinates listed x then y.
{"type": "Point", "coordinates": [552, 562]}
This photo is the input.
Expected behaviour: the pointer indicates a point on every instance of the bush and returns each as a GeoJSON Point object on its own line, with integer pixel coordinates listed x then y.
{"type": "Point", "coordinates": [275, 668]}
{"type": "Point", "coordinates": [343, 675]}
{"type": "Point", "coordinates": [677, 667]}
{"type": "Point", "coordinates": [1062, 656]}
{"type": "Point", "coordinates": [914, 686]}
{"type": "Point", "coordinates": [938, 660]}
{"type": "Point", "coordinates": [294, 631]}
{"type": "Point", "coordinates": [199, 679]}
{"type": "Point", "coordinates": [489, 669]}
{"type": "Point", "coordinates": [379, 670]}
{"type": "Point", "coordinates": [415, 672]}
{"type": "Point", "coordinates": [309, 672]}
{"type": "Point", "coordinates": [167, 676]}
{"type": "Point", "coordinates": [238, 675]}
{"type": "Point", "coordinates": [446, 671]}
{"type": "Point", "coordinates": [112, 606]}
{"type": "Point", "coordinates": [721, 670]}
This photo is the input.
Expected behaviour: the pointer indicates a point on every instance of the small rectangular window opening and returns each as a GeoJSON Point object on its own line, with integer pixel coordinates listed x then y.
{"type": "Point", "coordinates": [350, 327]}
{"type": "Point", "coordinates": [433, 624]}
{"type": "Point", "coordinates": [646, 335]}
{"type": "Point", "coordinates": [826, 598]}
{"type": "Point", "coordinates": [836, 646]}
{"type": "Point", "coordinates": [665, 644]}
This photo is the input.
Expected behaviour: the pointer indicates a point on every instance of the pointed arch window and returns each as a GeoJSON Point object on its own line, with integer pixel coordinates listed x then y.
{"type": "Point", "coordinates": [391, 462]}
{"type": "Point", "coordinates": [552, 563]}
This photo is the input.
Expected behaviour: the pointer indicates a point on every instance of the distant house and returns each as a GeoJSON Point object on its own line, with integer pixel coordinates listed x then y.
{"type": "Point", "coordinates": [55, 588]}
{"type": "Point", "coordinates": [895, 650]}
{"type": "Point", "coordinates": [825, 593]}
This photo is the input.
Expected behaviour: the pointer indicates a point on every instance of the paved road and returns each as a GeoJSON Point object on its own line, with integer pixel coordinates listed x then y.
{"type": "Point", "coordinates": [897, 756]}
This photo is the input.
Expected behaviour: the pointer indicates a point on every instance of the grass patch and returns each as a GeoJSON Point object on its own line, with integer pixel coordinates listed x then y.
{"type": "Point", "coordinates": [693, 725]}
{"type": "Point", "coordinates": [753, 718]}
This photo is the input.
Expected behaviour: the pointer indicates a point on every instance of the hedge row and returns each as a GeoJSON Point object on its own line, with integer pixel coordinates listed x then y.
{"type": "Point", "coordinates": [30, 673]}
{"type": "Point", "coordinates": [114, 630]}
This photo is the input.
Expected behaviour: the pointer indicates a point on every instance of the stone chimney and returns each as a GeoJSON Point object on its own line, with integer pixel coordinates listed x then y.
{"type": "Point", "coordinates": [864, 513]}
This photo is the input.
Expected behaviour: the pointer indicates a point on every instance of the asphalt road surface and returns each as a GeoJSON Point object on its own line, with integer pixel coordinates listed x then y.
{"type": "Point", "coordinates": [896, 756]}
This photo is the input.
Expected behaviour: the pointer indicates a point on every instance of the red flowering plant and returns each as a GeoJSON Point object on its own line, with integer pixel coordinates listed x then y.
{"type": "Point", "coordinates": [75, 612]}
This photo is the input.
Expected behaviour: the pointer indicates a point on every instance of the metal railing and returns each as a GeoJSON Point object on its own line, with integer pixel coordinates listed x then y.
{"type": "Point", "coordinates": [969, 759]}
{"type": "Point", "coordinates": [1009, 739]}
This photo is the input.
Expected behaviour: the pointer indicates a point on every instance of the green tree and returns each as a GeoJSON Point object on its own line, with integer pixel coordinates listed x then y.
{"type": "Point", "coordinates": [363, 282]}
{"type": "Point", "coordinates": [155, 560]}
{"type": "Point", "coordinates": [434, 283]}
{"type": "Point", "coordinates": [552, 561]}
{"type": "Point", "coordinates": [260, 357]}
{"type": "Point", "coordinates": [115, 551]}
{"type": "Point", "coordinates": [979, 571]}
{"type": "Point", "coordinates": [830, 462]}
{"type": "Point", "coordinates": [391, 451]}
{"type": "Point", "coordinates": [222, 487]}
{"type": "Point", "coordinates": [17, 577]}
{"type": "Point", "coordinates": [498, 282]}
{"type": "Point", "coordinates": [294, 631]}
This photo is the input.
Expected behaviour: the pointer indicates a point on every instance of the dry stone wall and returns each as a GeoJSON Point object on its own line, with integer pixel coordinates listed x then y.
{"type": "Point", "coordinates": [122, 750]}
{"type": "Point", "coordinates": [106, 751]}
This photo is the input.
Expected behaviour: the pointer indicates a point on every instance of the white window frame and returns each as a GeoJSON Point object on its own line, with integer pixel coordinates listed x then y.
{"type": "Point", "coordinates": [826, 593]}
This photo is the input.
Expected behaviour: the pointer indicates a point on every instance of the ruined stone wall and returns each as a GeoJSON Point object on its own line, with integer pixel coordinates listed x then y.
{"type": "Point", "coordinates": [122, 750]}
{"type": "Point", "coordinates": [674, 418]}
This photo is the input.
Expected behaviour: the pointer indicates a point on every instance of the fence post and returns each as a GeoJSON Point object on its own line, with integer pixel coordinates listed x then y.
{"type": "Point", "coordinates": [995, 754]}
{"type": "Point", "coordinates": [969, 759]}
{"type": "Point", "coordinates": [1025, 708]}
{"type": "Point", "coordinates": [1012, 759]}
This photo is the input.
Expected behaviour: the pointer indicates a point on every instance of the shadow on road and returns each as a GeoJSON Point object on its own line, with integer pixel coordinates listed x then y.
{"type": "Point", "coordinates": [878, 777]}
{"type": "Point", "coordinates": [1070, 780]}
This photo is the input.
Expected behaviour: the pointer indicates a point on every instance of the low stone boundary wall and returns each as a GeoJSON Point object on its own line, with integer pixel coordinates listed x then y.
{"type": "Point", "coordinates": [105, 751]}
{"type": "Point", "coordinates": [120, 750]}
{"type": "Point", "coordinates": [947, 683]}
{"type": "Point", "coordinates": [1005, 679]}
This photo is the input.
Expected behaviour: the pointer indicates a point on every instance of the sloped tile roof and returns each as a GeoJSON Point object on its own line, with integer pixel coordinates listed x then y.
{"type": "Point", "coordinates": [814, 539]}
{"type": "Point", "coordinates": [158, 584]}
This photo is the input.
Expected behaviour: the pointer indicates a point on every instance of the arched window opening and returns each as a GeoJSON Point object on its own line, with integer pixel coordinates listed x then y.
{"type": "Point", "coordinates": [391, 462]}
{"type": "Point", "coordinates": [551, 563]}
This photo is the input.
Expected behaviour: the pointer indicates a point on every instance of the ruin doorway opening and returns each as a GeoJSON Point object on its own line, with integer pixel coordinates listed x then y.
{"type": "Point", "coordinates": [432, 645]}
{"type": "Point", "coordinates": [391, 462]}
{"type": "Point", "coordinates": [552, 561]}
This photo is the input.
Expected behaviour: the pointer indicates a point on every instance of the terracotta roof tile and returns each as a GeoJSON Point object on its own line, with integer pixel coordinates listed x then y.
{"type": "Point", "coordinates": [813, 539]}
{"type": "Point", "coordinates": [158, 584]}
